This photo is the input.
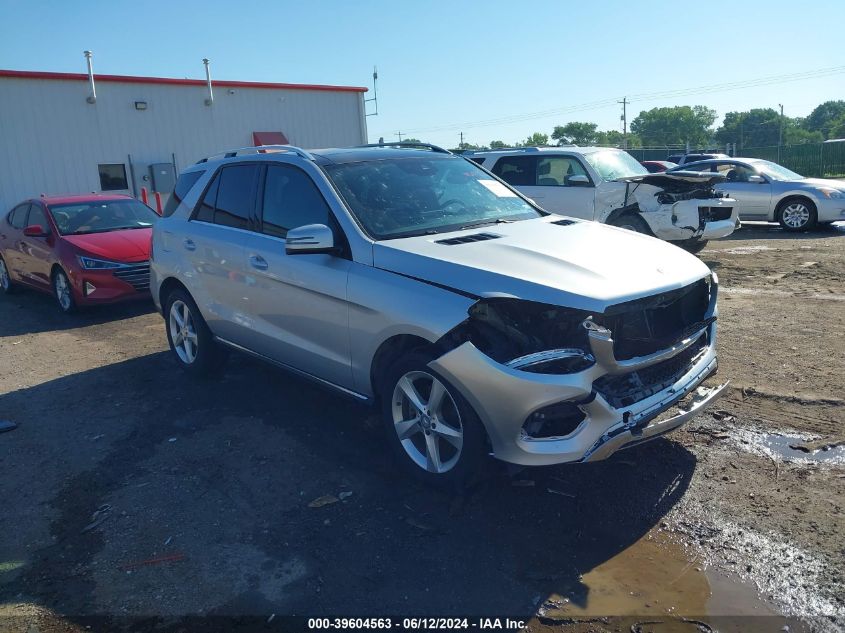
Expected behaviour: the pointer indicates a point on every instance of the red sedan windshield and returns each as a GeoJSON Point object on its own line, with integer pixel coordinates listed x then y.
{"type": "Point", "coordinates": [100, 216]}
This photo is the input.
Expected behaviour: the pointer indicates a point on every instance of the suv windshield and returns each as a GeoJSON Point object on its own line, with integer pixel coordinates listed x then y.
{"type": "Point", "coordinates": [775, 171]}
{"type": "Point", "coordinates": [614, 164]}
{"type": "Point", "coordinates": [101, 216]}
{"type": "Point", "coordinates": [401, 197]}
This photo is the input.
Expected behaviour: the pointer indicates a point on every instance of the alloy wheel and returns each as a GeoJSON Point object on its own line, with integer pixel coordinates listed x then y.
{"type": "Point", "coordinates": [183, 333]}
{"type": "Point", "coordinates": [796, 215]}
{"type": "Point", "coordinates": [63, 295]}
{"type": "Point", "coordinates": [427, 422]}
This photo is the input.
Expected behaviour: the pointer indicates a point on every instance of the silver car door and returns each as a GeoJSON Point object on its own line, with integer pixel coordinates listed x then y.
{"type": "Point", "coordinates": [754, 198]}
{"type": "Point", "coordinates": [297, 304]}
{"type": "Point", "coordinates": [213, 249]}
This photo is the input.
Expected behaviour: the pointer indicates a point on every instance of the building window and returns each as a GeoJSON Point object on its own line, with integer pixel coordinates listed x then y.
{"type": "Point", "coordinates": [113, 177]}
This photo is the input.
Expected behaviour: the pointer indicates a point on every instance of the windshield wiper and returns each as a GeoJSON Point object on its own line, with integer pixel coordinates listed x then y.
{"type": "Point", "coordinates": [486, 223]}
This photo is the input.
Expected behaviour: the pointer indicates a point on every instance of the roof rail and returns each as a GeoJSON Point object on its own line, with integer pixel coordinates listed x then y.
{"type": "Point", "coordinates": [433, 148]}
{"type": "Point", "coordinates": [258, 149]}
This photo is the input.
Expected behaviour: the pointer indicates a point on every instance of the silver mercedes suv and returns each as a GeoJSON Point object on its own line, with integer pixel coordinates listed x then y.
{"type": "Point", "coordinates": [415, 280]}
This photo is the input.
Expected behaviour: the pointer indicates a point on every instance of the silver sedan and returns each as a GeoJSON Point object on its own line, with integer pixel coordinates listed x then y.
{"type": "Point", "coordinates": [770, 192]}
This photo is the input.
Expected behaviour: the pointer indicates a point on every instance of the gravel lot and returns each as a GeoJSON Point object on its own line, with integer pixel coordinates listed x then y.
{"type": "Point", "coordinates": [128, 490]}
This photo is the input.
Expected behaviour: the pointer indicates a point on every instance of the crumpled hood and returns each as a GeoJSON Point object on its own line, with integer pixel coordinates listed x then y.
{"type": "Point", "coordinates": [122, 246]}
{"type": "Point", "coordinates": [584, 265]}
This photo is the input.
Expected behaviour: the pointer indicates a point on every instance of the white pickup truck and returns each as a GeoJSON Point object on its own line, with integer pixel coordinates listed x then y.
{"type": "Point", "coordinates": [609, 185]}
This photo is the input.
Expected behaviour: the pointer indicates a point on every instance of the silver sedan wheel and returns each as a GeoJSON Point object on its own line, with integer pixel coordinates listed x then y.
{"type": "Point", "coordinates": [427, 422]}
{"type": "Point", "coordinates": [63, 295]}
{"type": "Point", "coordinates": [183, 333]}
{"type": "Point", "coordinates": [796, 215]}
{"type": "Point", "coordinates": [5, 281]}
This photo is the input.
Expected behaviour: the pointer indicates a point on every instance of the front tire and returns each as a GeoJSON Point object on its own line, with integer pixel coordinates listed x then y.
{"type": "Point", "coordinates": [631, 222]}
{"type": "Point", "coordinates": [797, 214]}
{"type": "Point", "coordinates": [433, 431]}
{"type": "Point", "coordinates": [6, 284]}
{"type": "Point", "coordinates": [190, 339]}
{"type": "Point", "coordinates": [63, 292]}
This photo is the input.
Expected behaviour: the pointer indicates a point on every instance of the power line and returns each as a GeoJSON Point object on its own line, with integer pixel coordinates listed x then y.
{"type": "Point", "coordinates": [646, 96]}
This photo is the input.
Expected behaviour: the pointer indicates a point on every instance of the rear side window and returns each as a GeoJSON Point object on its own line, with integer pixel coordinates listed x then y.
{"type": "Point", "coordinates": [183, 185]}
{"type": "Point", "coordinates": [518, 171]}
{"type": "Point", "coordinates": [17, 218]}
{"type": "Point", "coordinates": [230, 199]}
{"type": "Point", "coordinates": [291, 199]}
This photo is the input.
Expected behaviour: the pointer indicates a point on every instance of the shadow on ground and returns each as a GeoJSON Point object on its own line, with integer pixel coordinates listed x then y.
{"type": "Point", "coordinates": [223, 472]}
{"type": "Point", "coordinates": [763, 231]}
{"type": "Point", "coordinates": [29, 312]}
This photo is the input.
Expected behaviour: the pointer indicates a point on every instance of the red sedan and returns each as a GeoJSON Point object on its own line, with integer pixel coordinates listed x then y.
{"type": "Point", "coordinates": [84, 250]}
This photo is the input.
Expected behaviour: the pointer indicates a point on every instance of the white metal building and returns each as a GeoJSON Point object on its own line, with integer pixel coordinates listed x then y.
{"type": "Point", "coordinates": [55, 137]}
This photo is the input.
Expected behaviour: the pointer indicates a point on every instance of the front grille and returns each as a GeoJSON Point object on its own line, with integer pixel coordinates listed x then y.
{"type": "Point", "coordinates": [648, 325]}
{"type": "Point", "coordinates": [714, 214]}
{"type": "Point", "coordinates": [136, 275]}
{"type": "Point", "coordinates": [627, 389]}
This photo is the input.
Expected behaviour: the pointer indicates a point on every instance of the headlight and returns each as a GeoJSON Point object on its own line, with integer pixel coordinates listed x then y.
{"type": "Point", "coordinates": [832, 194]}
{"type": "Point", "coordinates": [89, 263]}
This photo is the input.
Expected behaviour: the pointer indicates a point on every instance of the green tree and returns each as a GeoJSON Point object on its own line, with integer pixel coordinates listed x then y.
{"type": "Point", "coordinates": [577, 132]}
{"type": "Point", "coordinates": [538, 139]}
{"type": "Point", "coordinates": [837, 128]}
{"type": "Point", "coordinates": [615, 138]}
{"type": "Point", "coordinates": [497, 144]}
{"type": "Point", "coordinates": [824, 117]}
{"type": "Point", "coordinates": [411, 140]}
{"type": "Point", "coordinates": [761, 127]}
{"type": "Point", "coordinates": [679, 124]}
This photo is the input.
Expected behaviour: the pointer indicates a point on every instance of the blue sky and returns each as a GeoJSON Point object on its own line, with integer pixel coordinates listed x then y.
{"type": "Point", "coordinates": [446, 66]}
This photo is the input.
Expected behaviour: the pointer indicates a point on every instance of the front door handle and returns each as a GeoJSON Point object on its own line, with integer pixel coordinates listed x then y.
{"type": "Point", "coordinates": [189, 244]}
{"type": "Point", "coordinates": [258, 262]}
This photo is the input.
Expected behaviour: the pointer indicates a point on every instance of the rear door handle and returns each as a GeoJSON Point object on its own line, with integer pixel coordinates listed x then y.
{"type": "Point", "coordinates": [189, 244]}
{"type": "Point", "coordinates": [258, 262]}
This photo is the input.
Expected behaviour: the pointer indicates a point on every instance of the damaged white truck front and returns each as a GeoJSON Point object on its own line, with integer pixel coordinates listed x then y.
{"type": "Point", "coordinates": [608, 185]}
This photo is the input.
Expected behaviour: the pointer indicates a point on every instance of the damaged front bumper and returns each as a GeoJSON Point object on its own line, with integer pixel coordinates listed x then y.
{"type": "Point", "coordinates": [694, 219]}
{"type": "Point", "coordinates": [504, 397]}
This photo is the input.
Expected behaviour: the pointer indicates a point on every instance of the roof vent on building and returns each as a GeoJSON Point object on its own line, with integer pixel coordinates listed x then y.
{"type": "Point", "coordinates": [92, 98]}
{"type": "Point", "coordinates": [466, 239]}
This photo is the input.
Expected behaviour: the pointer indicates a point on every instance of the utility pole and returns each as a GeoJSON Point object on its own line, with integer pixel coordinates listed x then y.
{"type": "Point", "coordinates": [462, 140]}
{"type": "Point", "coordinates": [624, 103]}
{"type": "Point", "coordinates": [780, 131]}
{"type": "Point", "coordinates": [400, 136]}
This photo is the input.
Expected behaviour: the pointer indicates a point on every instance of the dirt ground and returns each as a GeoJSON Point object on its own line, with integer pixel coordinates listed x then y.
{"type": "Point", "coordinates": [128, 491]}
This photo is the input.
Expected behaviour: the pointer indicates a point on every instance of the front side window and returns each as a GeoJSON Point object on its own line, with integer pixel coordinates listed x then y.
{"type": "Point", "coordinates": [402, 197]}
{"type": "Point", "coordinates": [102, 216]}
{"type": "Point", "coordinates": [517, 171]}
{"type": "Point", "coordinates": [37, 216]}
{"type": "Point", "coordinates": [291, 199]}
{"type": "Point", "coordinates": [613, 164]}
{"type": "Point", "coordinates": [555, 171]}
{"type": "Point", "coordinates": [112, 177]}
{"type": "Point", "coordinates": [183, 185]}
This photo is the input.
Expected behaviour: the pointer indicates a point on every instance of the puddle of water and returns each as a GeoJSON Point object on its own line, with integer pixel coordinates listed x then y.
{"type": "Point", "coordinates": [653, 578]}
{"type": "Point", "coordinates": [778, 446]}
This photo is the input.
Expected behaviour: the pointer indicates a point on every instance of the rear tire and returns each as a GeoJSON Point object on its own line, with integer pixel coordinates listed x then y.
{"type": "Point", "coordinates": [190, 339]}
{"type": "Point", "coordinates": [6, 284]}
{"type": "Point", "coordinates": [433, 431]}
{"type": "Point", "coordinates": [63, 292]}
{"type": "Point", "coordinates": [631, 222]}
{"type": "Point", "coordinates": [797, 214]}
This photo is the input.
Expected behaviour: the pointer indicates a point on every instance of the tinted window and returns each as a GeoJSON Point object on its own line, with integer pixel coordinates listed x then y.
{"type": "Point", "coordinates": [236, 195]}
{"type": "Point", "coordinates": [291, 199]}
{"type": "Point", "coordinates": [206, 208]}
{"type": "Point", "coordinates": [37, 216]}
{"type": "Point", "coordinates": [112, 177]}
{"type": "Point", "coordinates": [518, 171]}
{"type": "Point", "coordinates": [17, 218]}
{"type": "Point", "coordinates": [555, 171]}
{"type": "Point", "coordinates": [183, 186]}
{"type": "Point", "coordinates": [477, 160]}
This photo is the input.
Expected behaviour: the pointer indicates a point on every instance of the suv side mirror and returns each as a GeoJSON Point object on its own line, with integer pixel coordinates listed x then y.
{"type": "Point", "coordinates": [311, 238]}
{"type": "Point", "coordinates": [756, 178]}
{"type": "Point", "coordinates": [35, 230]}
{"type": "Point", "coordinates": [578, 180]}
